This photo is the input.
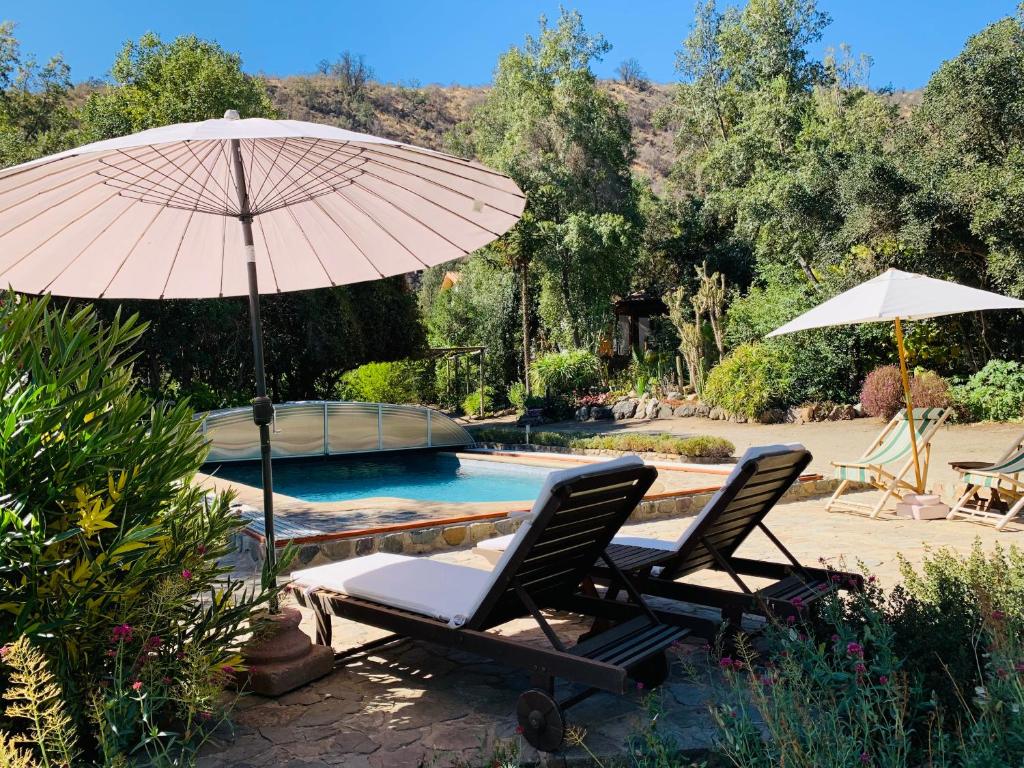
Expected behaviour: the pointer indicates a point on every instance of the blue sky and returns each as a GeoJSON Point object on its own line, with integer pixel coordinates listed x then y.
{"type": "Point", "coordinates": [446, 41]}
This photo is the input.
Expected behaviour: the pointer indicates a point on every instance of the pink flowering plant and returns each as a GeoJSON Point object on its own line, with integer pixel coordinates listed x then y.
{"type": "Point", "coordinates": [855, 683]}
{"type": "Point", "coordinates": [110, 554]}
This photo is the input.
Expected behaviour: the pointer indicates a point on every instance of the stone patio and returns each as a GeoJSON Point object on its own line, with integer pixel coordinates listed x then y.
{"type": "Point", "coordinates": [412, 704]}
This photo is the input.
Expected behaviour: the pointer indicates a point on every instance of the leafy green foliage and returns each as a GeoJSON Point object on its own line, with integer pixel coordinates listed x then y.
{"type": "Point", "coordinates": [927, 675]}
{"type": "Point", "coordinates": [471, 403]}
{"type": "Point", "coordinates": [995, 392]}
{"type": "Point", "coordinates": [560, 374]}
{"type": "Point", "coordinates": [393, 382]}
{"type": "Point", "coordinates": [101, 526]}
{"type": "Point", "coordinates": [703, 446]}
{"type": "Point", "coordinates": [750, 380]}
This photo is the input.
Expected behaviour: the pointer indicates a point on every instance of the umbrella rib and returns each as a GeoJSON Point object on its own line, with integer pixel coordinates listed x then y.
{"type": "Point", "coordinates": [266, 249]}
{"type": "Point", "coordinates": [446, 158]}
{"type": "Point", "coordinates": [209, 173]}
{"type": "Point", "coordinates": [188, 174]}
{"type": "Point", "coordinates": [320, 186]}
{"type": "Point", "coordinates": [131, 251]}
{"type": "Point", "coordinates": [382, 228]}
{"type": "Point", "coordinates": [309, 242]}
{"type": "Point", "coordinates": [194, 197]}
{"type": "Point", "coordinates": [86, 247]}
{"type": "Point", "coordinates": [434, 182]}
{"type": "Point", "coordinates": [519, 195]}
{"type": "Point", "coordinates": [172, 198]}
{"type": "Point", "coordinates": [177, 250]}
{"type": "Point", "coordinates": [287, 174]}
{"type": "Point", "coordinates": [406, 213]}
{"type": "Point", "coordinates": [348, 237]}
{"type": "Point", "coordinates": [54, 234]}
{"type": "Point", "coordinates": [84, 160]}
{"type": "Point", "coordinates": [273, 163]}
{"type": "Point", "coordinates": [142, 234]}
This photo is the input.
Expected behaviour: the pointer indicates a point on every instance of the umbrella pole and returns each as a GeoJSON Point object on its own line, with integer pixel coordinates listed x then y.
{"type": "Point", "coordinates": [910, 405]}
{"type": "Point", "coordinates": [262, 407]}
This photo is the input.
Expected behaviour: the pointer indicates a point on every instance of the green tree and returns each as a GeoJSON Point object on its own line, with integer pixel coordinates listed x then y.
{"type": "Point", "coordinates": [568, 145]}
{"type": "Point", "coordinates": [35, 119]}
{"type": "Point", "coordinates": [158, 83]}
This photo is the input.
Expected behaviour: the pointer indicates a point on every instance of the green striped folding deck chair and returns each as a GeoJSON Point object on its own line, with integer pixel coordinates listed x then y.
{"type": "Point", "coordinates": [1002, 484]}
{"type": "Point", "coordinates": [889, 460]}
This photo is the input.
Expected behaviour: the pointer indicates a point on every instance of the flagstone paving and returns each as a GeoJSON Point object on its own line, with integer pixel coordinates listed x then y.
{"type": "Point", "coordinates": [414, 704]}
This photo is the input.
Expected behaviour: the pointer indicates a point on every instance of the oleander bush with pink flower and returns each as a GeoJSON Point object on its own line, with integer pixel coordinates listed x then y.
{"type": "Point", "coordinates": [109, 553]}
{"type": "Point", "coordinates": [930, 674]}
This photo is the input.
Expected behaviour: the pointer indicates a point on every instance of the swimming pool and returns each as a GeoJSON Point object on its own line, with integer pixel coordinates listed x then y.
{"type": "Point", "coordinates": [421, 477]}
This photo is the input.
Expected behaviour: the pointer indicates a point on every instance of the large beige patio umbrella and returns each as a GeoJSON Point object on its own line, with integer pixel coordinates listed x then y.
{"type": "Point", "coordinates": [895, 296]}
{"type": "Point", "coordinates": [147, 216]}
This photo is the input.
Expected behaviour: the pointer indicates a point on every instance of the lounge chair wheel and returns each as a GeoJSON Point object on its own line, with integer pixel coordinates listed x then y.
{"type": "Point", "coordinates": [541, 719]}
{"type": "Point", "coordinates": [651, 673]}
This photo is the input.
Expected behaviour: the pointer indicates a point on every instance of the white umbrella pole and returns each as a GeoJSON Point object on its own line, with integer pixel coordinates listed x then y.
{"type": "Point", "coordinates": [910, 405]}
{"type": "Point", "coordinates": [262, 407]}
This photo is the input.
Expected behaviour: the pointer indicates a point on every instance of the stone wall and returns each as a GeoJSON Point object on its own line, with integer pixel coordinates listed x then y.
{"type": "Point", "coordinates": [440, 537]}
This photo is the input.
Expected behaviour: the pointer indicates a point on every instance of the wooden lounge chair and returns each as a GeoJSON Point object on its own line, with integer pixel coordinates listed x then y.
{"type": "Point", "coordinates": [754, 487]}
{"type": "Point", "coordinates": [575, 517]}
{"type": "Point", "coordinates": [1003, 484]}
{"type": "Point", "coordinates": [889, 460]}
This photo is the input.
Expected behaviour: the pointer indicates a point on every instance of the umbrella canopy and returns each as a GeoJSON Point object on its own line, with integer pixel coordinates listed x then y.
{"type": "Point", "coordinates": [895, 296]}
{"type": "Point", "coordinates": [146, 216]}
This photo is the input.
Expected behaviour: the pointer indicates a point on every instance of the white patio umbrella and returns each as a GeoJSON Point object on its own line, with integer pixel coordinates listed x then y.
{"type": "Point", "coordinates": [895, 296]}
{"type": "Point", "coordinates": [146, 216]}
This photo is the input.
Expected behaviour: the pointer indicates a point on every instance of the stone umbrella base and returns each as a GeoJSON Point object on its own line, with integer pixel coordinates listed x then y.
{"type": "Point", "coordinates": [283, 657]}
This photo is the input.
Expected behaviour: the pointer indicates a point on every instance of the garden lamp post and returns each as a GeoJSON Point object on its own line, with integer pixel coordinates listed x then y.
{"type": "Point", "coordinates": [895, 297]}
{"type": "Point", "coordinates": [145, 217]}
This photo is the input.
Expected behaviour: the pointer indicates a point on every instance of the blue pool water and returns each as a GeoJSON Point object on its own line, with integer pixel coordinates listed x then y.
{"type": "Point", "coordinates": [424, 477]}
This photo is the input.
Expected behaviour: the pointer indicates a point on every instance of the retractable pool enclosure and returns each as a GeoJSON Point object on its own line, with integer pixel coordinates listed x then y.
{"type": "Point", "coordinates": [329, 428]}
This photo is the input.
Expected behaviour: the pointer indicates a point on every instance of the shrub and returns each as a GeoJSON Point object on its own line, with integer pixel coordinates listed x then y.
{"type": "Point", "coordinates": [996, 392]}
{"type": "Point", "coordinates": [108, 552]}
{"type": "Point", "coordinates": [390, 382]}
{"type": "Point", "coordinates": [560, 374]}
{"type": "Point", "coordinates": [882, 393]}
{"type": "Point", "coordinates": [471, 405]}
{"type": "Point", "coordinates": [750, 380]}
{"type": "Point", "coordinates": [703, 446]}
{"type": "Point", "coordinates": [928, 675]}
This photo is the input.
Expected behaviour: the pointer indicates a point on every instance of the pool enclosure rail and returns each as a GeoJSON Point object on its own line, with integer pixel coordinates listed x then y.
{"type": "Point", "coordinates": [330, 428]}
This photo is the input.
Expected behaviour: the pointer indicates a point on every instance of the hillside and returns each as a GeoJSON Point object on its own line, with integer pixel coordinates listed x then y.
{"type": "Point", "coordinates": [425, 115]}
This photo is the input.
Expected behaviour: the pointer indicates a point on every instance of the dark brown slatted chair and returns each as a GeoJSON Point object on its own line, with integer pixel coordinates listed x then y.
{"type": "Point", "coordinates": [574, 520]}
{"type": "Point", "coordinates": [756, 485]}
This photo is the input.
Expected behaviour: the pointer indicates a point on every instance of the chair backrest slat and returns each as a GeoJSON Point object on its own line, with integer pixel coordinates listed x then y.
{"type": "Point", "coordinates": [760, 479]}
{"type": "Point", "coordinates": [896, 444]}
{"type": "Point", "coordinates": [562, 540]}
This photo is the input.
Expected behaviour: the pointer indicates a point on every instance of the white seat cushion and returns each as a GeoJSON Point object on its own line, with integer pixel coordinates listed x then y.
{"type": "Point", "coordinates": [443, 591]}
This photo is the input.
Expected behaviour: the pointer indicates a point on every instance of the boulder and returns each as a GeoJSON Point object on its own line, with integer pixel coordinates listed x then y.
{"type": "Point", "coordinates": [718, 414]}
{"type": "Point", "coordinates": [738, 418]}
{"type": "Point", "coordinates": [651, 409]}
{"type": "Point", "coordinates": [800, 414]}
{"type": "Point", "coordinates": [684, 411]}
{"type": "Point", "coordinates": [582, 414]}
{"type": "Point", "coordinates": [664, 411]}
{"type": "Point", "coordinates": [702, 410]}
{"type": "Point", "coordinates": [675, 395]}
{"type": "Point", "coordinates": [624, 409]}
{"type": "Point", "coordinates": [771, 416]}
{"type": "Point", "coordinates": [601, 413]}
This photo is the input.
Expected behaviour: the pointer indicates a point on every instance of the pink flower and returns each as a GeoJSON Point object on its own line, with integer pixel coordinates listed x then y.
{"type": "Point", "coordinates": [835, 638]}
{"type": "Point", "coordinates": [227, 669]}
{"type": "Point", "coordinates": [883, 679]}
{"type": "Point", "coordinates": [186, 574]}
{"type": "Point", "coordinates": [205, 715]}
{"type": "Point", "coordinates": [519, 729]}
{"type": "Point", "coordinates": [639, 686]}
{"type": "Point", "coordinates": [871, 579]}
{"type": "Point", "coordinates": [860, 669]}
{"type": "Point", "coordinates": [137, 685]}
{"type": "Point", "coordinates": [855, 649]}
{"type": "Point", "coordinates": [122, 634]}
{"type": "Point", "coordinates": [791, 619]}
{"type": "Point", "coordinates": [737, 664]}
{"type": "Point", "coordinates": [725, 662]}
{"type": "Point", "coordinates": [4, 650]}
{"type": "Point", "coordinates": [153, 643]}
{"type": "Point", "coordinates": [865, 758]}
{"type": "Point", "coordinates": [797, 602]}
{"type": "Point", "coordinates": [166, 680]}
{"type": "Point", "coordinates": [201, 549]}
{"type": "Point", "coordinates": [998, 615]}
{"type": "Point", "coordinates": [1002, 673]}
